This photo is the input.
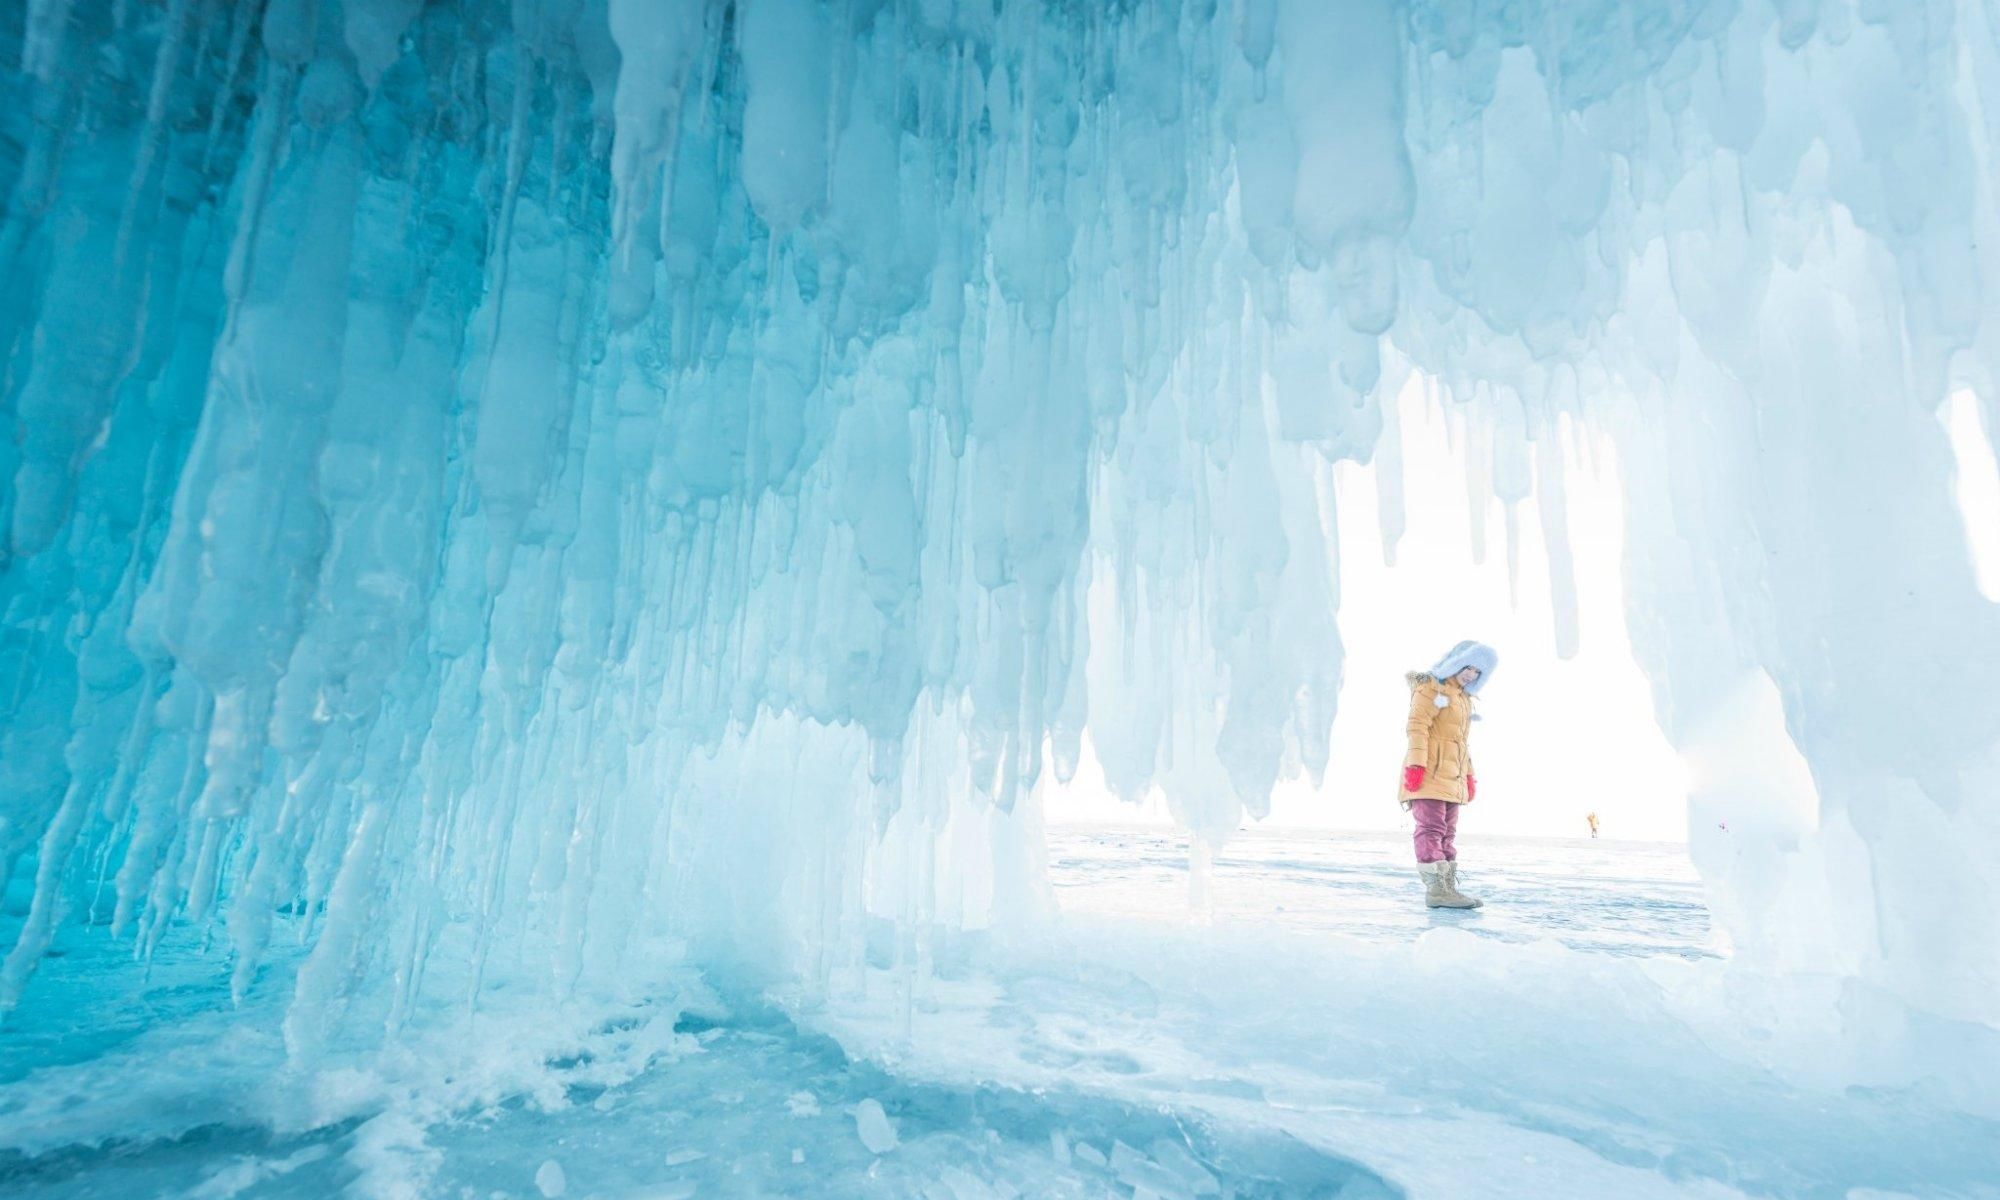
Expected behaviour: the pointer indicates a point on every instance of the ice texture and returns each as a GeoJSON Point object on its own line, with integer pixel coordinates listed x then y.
{"type": "Point", "coordinates": [874, 1127]}
{"type": "Point", "coordinates": [550, 1180]}
{"type": "Point", "coordinates": [491, 487]}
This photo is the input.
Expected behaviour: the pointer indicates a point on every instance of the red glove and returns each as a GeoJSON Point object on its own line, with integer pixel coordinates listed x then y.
{"type": "Point", "coordinates": [1413, 778]}
{"type": "Point", "coordinates": [1471, 786]}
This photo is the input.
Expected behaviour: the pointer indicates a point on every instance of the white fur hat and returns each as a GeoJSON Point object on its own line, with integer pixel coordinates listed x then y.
{"type": "Point", "coordinates": [1467, 654]}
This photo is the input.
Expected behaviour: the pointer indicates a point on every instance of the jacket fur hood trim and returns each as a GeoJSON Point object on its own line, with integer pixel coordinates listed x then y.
{"type": "Point", "coordinates": [1417, 679]}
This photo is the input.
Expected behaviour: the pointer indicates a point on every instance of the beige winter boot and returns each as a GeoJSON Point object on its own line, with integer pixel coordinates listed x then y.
{"type": "Point", "coordinates": [1438, 892]}
{"type": "Point", "coordinates": [1451, 887]}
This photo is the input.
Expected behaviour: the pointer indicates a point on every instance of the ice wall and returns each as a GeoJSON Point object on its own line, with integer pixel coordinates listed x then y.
{"type": "Point", "coordinates": [499, 481]}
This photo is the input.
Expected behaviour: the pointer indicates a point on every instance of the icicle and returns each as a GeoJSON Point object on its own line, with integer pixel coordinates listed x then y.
{"type": "Point", "coordinates": [447, 506]}
{"type": "Point", "coordinates": [46, 31]}
{"type": "Point", "coordinates": [1551, 501]}
{"type": "Point", "coordinates": [1389, 482]}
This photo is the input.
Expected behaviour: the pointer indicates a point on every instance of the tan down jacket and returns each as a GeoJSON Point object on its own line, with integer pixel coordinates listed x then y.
{"type": "Point", "coordinates": [1440, 717]}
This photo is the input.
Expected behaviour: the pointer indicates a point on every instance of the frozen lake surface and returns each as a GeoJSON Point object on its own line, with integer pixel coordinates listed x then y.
{"type": "Point", "coordinates": [1635, 898]}
{"type": "Point", "coordinates": [1319, 1034]}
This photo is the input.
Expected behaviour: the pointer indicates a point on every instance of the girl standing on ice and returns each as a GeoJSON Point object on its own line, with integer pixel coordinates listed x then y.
{"type": "Point", "coordinates": [1437, 771]}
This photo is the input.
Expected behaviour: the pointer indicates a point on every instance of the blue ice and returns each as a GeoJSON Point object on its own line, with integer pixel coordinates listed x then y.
{"type": "Point", "coordinates": [533, 532]}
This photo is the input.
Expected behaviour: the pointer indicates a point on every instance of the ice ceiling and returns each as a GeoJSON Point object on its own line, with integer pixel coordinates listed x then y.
{"type": "Point", "coordinates": [490, 479]}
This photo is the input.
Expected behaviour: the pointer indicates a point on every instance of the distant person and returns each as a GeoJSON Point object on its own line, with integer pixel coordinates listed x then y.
{"type": "Point", "coordinates": [1437, 772]}
{"type": "Point", "coordinates": [1592, 818]}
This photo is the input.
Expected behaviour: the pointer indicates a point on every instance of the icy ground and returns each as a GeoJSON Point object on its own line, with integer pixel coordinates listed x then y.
{"type": "Point", "coordinates": [1612, 896]}
{"type": "Point", "coordinates": [1122, 1050]}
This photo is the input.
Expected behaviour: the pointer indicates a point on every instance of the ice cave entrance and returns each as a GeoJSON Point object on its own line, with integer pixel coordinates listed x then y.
{"type": "Point", "coordinates": [1570, 735]}
{"type": "Point", "coordinates": [553, 554]}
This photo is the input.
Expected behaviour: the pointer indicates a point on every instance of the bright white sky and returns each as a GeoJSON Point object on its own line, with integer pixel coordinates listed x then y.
{"type": "Point", "coordinates": [1556, 740]}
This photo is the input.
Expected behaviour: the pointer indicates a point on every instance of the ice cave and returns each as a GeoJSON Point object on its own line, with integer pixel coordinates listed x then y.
{"type": "Point", "coordinates": [558, 559]}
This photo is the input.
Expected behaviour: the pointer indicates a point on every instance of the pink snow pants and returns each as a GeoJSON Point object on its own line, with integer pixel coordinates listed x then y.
{"type": "Point", "coordinates": [1437, 822]}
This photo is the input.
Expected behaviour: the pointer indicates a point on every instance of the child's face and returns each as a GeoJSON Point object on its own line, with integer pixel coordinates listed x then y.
{"type": "Point", "coordinates": [1466, 676]}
